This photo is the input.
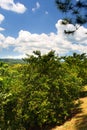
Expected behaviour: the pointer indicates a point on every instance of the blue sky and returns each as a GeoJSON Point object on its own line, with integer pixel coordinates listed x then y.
{"type": "Point", "coordinates": [35, 19]}
{"type": "Point", "coordinates": [28, 25]}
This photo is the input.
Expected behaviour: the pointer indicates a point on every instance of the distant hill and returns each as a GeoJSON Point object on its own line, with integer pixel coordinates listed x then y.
{"type": "Point", "coordinates": [12, 61]}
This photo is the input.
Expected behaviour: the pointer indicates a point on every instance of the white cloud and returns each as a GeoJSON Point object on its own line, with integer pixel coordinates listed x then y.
{"type": "Point", "coordinates": [2, 29]}
{"type": "Point", "coordinates": [14, 57]}
{"type": "Point", "coordinates": [37, 6]}
{"type": "Point", "coordinates": [1, 18]}
{"type": "Point", "coordinates": [27, 42]}
{"type": "Point", "coordinates": [6, 42]}
{"type": "Point", "coordinates": [11, 6]}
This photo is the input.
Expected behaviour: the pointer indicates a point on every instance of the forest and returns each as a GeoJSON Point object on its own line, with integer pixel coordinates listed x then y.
{"type": "Point", "coordinates": [41, 91]}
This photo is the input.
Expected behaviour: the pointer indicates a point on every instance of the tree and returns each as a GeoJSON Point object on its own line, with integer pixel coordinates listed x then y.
{"type": "Point", "coordinates": [39, 93]}
{"type": "Point", "coordinates": [50, 89]}
{"type": "Point", "coordinates": [78, 62]}
{"type": "Point", "coordinates": [75, 13]}
{"type": "Point", "coordinates": [10, 91]}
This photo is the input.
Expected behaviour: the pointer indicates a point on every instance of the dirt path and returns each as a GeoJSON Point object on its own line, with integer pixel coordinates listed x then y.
{"type": "Point", "coordinates": [79, 121]}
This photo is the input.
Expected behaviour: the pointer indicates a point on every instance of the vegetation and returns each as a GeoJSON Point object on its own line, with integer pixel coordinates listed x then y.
{"type": "Point", "coordinates": [11, 61]}
{"type": "Point", "coordinates": [42, 91]}
{"type": "Point", "coordinates": [75, 12]}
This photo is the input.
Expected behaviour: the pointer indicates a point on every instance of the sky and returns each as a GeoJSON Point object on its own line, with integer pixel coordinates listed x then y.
{"type": "Point", "coordinates": [29, 25]}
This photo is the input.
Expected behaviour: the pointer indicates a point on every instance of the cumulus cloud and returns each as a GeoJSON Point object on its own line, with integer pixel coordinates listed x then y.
{"type": "Point", "coordinates": [11, 6]}
{"type": "Point", "coordinates": [37, 6]}
{"type": "Point", "coordinates": [27, 42]}
{"type": "Point", "coordinates": [6, 42]}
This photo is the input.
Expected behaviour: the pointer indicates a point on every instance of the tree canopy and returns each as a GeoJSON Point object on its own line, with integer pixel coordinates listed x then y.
{"type": "Point", "coordinates": [42, 91]}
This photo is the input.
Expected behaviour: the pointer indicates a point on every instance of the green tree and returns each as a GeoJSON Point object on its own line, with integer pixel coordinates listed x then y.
{"type": "Point", "coordinates": [10, 89]}
{"type": "Point", "coordinates": [78, 63]}
{"type": "Point", "coordinates": [40, 92]}
{"type": "Point", "coordinates": [50, 90]}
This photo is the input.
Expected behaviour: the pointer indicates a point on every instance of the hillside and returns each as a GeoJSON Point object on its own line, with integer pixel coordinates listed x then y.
{"type": "Point", "coordinates": [11, 61]}
{"type": "Point", "coordinates": [79, 121]}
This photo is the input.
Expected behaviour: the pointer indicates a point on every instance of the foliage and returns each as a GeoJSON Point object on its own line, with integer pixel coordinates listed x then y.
{"type": "Point", "coordinates": [78, 62]}
{"type": "Point", "coordinates": [76, 12]}
{"type": "Point", "coordinates": [40, 92]}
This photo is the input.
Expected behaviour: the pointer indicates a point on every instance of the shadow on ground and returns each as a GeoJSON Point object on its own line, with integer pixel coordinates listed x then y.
{"type": "Point", "coordinates": [83, 94]}
{"type": "Point", "coordinates": [43, 128]}
{"type": "Point", "coordinates": [81, 122]}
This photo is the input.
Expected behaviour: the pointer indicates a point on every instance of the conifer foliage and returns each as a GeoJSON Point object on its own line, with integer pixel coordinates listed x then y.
{"type": "Point", "coordinates": [75, 12]}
